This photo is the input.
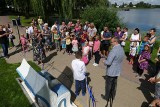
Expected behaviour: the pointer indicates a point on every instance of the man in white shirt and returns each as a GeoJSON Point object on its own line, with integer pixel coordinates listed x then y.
{"type": "Point", "coordinates": [79, 70]}
{"type": "Point", "coordinates": [54, 26]}
{"type": "Point", "coordinates": [92, 31]}
{"type": "Point", "coordinates": [30, 29]}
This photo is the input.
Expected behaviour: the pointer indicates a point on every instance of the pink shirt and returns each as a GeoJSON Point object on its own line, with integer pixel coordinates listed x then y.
{"type": "Point", "coordinates": [76, 29]}
{"type": "Point", "coordinates": [23, 40]}
{"type": "Point", "coordinates": [75, 43]}
{"type": "Point", "coordinates": [96, 45]}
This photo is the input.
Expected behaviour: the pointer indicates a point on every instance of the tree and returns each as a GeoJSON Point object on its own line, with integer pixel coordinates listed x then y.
{"type": "Point", "coordinates": [130, 4]}
{"type": "Point", "coordinates": [101, 16]}
{"type": "Point", "coordinates": [143, 5]}
{"type": "Point", "coordinates": [64, 8]}
{"type": "Point", "coordinates": [115, 4]}
{"type": "Point", "coordinates": [122, 6]}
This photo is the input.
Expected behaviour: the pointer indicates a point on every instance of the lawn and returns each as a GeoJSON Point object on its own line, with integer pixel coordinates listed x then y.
{"type": "Point", "coordinates": [10, 92]}
{"type": "Point", "coordinates": [24, 21]}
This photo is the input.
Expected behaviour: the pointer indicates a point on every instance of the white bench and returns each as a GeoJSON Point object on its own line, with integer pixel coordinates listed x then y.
{"type": "Point", "coordinates": [46, 93]}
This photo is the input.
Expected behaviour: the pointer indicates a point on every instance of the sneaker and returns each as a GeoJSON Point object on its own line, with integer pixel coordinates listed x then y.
{"type": "Point", "coordinates": [96, 65]}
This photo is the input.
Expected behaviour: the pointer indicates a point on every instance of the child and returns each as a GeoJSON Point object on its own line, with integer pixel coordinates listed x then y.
{"type": "Point", "coordinates": [83, 38]}
{"type": "Point", "coordinates": [57, 40]}
{"type": "Point", "coordinates": [90, 48]}
{"type": "Point", "coordinates": [143, 60]}
{"type": "Point", "coordinates": [124, 37]}
{"type": "Point", "coordinates": [68, 44]}
{"type": "Point", "coordinates": [96, 50]}
{"type": "Point", "coordinates": [63, 41]}
{"type": "Point", "coordinates": [85, 52]}
{"type": "Point", "coordinates": [23, 41]}
{"type": "Point", "coordinates": [74, 45]}
{"type": "Point", "coordinates": [132, 53]}
{"type": "Point", "coordinates": [142, 44]}
{"type": "Point", "coordinates": [79, 70]}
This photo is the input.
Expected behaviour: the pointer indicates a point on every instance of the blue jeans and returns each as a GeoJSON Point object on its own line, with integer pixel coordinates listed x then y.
{"type": "Point", "coordinates": [80, 85]}
{"type": "Point", "coordinates": [5, 48]}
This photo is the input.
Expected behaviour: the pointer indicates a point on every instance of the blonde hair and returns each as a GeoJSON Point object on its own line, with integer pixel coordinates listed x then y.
{"type": "Point", "coordinates": [97, 37]}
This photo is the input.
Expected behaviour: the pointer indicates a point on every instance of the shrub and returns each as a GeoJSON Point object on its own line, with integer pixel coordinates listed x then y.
{"type": "Point", "coordinates": [101, 16]}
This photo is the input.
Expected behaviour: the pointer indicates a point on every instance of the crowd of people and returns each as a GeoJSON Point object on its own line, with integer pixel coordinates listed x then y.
{"type": "Point", "coordinates": [74, 37]}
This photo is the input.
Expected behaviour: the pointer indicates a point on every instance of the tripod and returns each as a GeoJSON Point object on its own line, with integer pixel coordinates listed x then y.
{"type": "Point", "coordinates": [19, 44]}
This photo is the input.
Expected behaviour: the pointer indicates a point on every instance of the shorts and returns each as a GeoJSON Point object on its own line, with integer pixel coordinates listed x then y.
{"type": "Point", "coordinates": [63, 46]}
{"type": "Point", "coordinates": [105, 47]}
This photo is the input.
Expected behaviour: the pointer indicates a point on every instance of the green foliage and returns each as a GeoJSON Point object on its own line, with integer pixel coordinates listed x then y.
{"type": "Point", "coordinates": [143, 5]}
{"type": "Point", "coordinates": [11, 93]}
{"type": "Point", "coordinates": [101, 16]}
{"type": "Point", "coordinates": [130, 4]}
{"type": "Point", "coordinates": [64, 8]}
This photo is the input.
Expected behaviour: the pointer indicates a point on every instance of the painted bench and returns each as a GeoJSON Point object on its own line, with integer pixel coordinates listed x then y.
{"type": "Point", "coordinates": [43, 88]}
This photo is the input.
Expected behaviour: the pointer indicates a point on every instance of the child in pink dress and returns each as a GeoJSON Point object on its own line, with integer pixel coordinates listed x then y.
{"type": "Point", "coordinates": [23, 41]}
{"type": "Point", "coordinates": [85, 52]}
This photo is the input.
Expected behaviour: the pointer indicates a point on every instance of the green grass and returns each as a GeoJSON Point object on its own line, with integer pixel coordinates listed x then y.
{"type": "Point", "coordinates": [24, 21]}
{"type": "Point", "coordinates": [10, 92]}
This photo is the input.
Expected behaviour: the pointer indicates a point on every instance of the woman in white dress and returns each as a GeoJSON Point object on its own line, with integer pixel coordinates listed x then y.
{"type": "Point", "coordinates": [135, 37]}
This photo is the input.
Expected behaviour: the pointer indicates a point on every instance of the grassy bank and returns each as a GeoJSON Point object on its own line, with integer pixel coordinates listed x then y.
{"type": "Point", "coordinates": [11, 93]}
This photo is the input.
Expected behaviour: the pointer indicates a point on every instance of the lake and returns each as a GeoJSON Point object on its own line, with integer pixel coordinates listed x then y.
{"type": "Point", "coordinates": [144, 19]}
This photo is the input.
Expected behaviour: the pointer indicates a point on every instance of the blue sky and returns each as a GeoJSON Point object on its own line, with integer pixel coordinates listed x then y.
{"type": "Point", "coordinates": [135, 1]}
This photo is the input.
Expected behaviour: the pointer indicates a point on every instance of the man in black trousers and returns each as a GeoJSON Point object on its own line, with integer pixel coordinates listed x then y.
{"type": "Point", "coordinates": [114, 66]}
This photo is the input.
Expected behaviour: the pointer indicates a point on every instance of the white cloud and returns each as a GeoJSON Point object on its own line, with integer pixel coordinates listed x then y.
{"type": "Point", "coordinates": [135, 1]}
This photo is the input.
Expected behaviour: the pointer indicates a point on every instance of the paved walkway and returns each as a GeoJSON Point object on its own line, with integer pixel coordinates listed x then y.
{"type": "Point", "coordinates": [131, 92]}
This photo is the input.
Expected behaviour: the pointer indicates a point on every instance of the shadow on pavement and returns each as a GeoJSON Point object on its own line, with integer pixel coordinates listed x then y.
{"type": "Point", "coordinates": [17, 50]}
{"type": "Point", "coordinates": [66, 78]}
{"type": "Point", "coordinates": [48, 58]}
{"type": "Point", "coordinates": [147, 88]}
{"type": "Point", "coordinates": [144, 104]}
